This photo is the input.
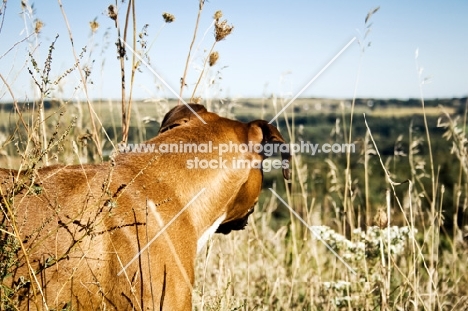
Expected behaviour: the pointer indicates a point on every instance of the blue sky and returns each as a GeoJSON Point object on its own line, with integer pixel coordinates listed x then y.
{"type": "Point", "coordinates": [276, 47]}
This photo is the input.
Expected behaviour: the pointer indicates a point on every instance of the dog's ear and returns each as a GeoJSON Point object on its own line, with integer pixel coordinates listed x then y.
{"type": "Point", "coordinates": [262, 132]}
{"type": "Point", "coordinates": [180, 115]}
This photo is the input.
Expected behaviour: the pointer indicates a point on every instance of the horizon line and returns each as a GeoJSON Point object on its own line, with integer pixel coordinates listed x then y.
{"type": "Point", "coordinates": [465, 97]}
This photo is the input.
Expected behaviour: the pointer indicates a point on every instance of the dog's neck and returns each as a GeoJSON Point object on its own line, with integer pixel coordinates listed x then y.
{"type": "Point", "coordinates": [209, 232]}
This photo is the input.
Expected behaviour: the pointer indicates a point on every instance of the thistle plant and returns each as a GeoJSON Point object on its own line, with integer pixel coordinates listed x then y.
{"type": "Point", "coordinates": [221, 30]}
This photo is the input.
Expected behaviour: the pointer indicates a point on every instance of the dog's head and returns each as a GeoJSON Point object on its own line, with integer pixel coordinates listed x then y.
{"type": "Point", "coordinates": [258, 132]}
{"type": "Point", "coordinates": [184, 115]}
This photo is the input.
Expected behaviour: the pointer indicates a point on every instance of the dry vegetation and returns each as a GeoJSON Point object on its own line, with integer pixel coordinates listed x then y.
{"type": "Point", "coordinates": [298, 252]}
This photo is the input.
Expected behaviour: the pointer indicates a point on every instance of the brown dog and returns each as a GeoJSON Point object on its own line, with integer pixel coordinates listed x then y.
{"type": "Point", "coordinates": [124, 235]}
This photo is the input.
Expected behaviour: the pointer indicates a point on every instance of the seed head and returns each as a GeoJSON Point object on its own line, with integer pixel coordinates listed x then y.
{"type": "Point", "coordinates": [111, 12]}
{"type": "Point", "coordinates": [38, 25]}
{"type": "Point", "coordinates": [217, 15]}
{"type": "Point", "coordinates": [168, 17]}
{"type": "Point", "coordinates": [222, 30]}
{"type": "Point", "coordinates": [94, 26]}
{"type": "Point", "coordinates": [213, 58]}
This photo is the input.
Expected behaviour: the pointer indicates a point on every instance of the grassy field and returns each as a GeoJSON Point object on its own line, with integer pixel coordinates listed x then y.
{"type": "Point", "coordinates": [338, 259]}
